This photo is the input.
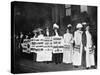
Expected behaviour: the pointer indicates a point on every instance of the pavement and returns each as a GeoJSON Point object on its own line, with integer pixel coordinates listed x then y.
{"type": "Point", "coordinates": [27, 65]}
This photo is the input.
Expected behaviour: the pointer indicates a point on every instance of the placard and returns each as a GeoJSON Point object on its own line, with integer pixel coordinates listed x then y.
{"type": "Point", "coordinates": [25, 46]}
{"type": "Point", "coordinates": [36, 44]}
{"type": "Point", "coordinates": [57, 44]}
{"type": "Point", "coordinates": [48, 44]}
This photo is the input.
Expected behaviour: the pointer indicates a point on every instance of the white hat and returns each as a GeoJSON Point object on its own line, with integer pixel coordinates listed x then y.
{"type": "Point", "coordinates": [69, 25]}
{"type": "Point", "coordinates": [79, 25]}
{"type": "Point", "coordinates": [39, 29]}
{"type": "Point", "coordinates": [34, 31]}
{"type": "Point", "coordinates": [55, 26]}
{"type": "Point", "coordinates": [84, 23]}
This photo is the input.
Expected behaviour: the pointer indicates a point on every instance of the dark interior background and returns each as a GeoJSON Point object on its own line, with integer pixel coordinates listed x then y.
{"type": "Point", "coordinates": [27, 16]}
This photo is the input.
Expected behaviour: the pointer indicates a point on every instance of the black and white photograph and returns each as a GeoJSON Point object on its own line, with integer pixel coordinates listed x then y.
{"type": "Point", "coordinates": [51, 37]}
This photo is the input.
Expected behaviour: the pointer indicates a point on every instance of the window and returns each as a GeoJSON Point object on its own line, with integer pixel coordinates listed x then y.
{"type": "Point", "coordinates": [68, 10]}
{"type": "Point", "coordinates": [83, 8]}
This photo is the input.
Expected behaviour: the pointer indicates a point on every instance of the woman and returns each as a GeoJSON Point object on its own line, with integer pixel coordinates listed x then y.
{"type": "Point", "coordinates": [89, 48]}
{"type": "Point", "coordinates": [68, 46]}
{"type": "Point", "coordinates": [77, 53]}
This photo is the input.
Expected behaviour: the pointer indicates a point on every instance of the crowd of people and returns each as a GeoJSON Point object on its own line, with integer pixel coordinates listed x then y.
{"type": "Point", "coordinates": [74, 45]}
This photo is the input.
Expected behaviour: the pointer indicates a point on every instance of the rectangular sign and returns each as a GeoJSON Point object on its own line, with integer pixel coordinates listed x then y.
{"type": "Point", "coordinates": [54, 44]}
{"type": "Point", "coordinates": [57, 44]}
{"type": "Point", "coordinates": [48, 44]}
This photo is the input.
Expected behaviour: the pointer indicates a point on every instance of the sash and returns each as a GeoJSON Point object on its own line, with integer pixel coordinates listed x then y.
{"type": "Point", "coordinates": [67, 47]}
{"type": "Point", "coordinates": [91, 50]}
{"type": "Point", "coordinates": [77, 48]}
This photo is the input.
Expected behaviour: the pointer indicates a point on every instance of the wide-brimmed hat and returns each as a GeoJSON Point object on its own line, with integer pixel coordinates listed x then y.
{"type": "Point", "coordinates": [84, 23]}
{"type": "Point", "coordinates": [34, 31]}
{"type": "Point", "coordinates": [39, 29]}
{"type": "Point", "coordinates": [55, 26]}
{"type": "Point", "coordinates": [79, 25]}
{"type": "Point", "coordinates": [69, 25]}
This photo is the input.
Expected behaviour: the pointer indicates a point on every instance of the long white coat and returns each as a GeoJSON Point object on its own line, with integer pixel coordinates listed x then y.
{"type": "Point", "coordinates": [77, 53]}
{"type": "Point", "coordinates": [68, 48]}
{"type": "Point", "coordinates": [89, 56]}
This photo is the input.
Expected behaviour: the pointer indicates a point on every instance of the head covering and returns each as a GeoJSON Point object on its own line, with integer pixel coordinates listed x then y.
{"type": "Point", "coordinates": [79, 25]}
{"type": "Point", "coordinates": [26, 36]}
{"type": "Point", "coordinates": [84, 23]}
{"type": "Point", "coordinates": [39, 29]}
{"type": "Point", "coordinates": [34, 31]}
{"type": "Point", "coordinates": [55, 26]}
{"type": "Point", "coordinates": [69, 25]}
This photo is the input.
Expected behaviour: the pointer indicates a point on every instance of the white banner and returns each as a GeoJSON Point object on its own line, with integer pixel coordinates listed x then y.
{"type": "Point", "coordinates": [25, 45]}
{"type": "Point", "coordinates": [54, 44]}
{"type": "Point", "coordinates": [36, 44]}
{"type": "Point", "coordinates": [48, 44]}
{"type": "Point", "coordinates": [57, 44]}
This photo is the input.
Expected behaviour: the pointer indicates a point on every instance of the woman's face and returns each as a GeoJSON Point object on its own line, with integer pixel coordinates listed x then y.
{"type": "Point", "coordinates": [67, 31]}
{"type": "Point", "coordinates": [26, 36]}
{"type": "Point", "coordinates": [40, 32]}
{"type": "Point", "coordinates": [55, 30]}
{"type": "Point", "coordinates": [80, 29]}
{"type": "Point", "coordinates": [87, 28]}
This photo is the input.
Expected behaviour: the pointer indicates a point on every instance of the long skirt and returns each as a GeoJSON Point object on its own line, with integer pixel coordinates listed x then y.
{"type": "Point", "coordinates": [67, 54]}
{"type": "Point", "coordinates": [90, 61]}
{"type": "Point", "coordinates": [77, 56]}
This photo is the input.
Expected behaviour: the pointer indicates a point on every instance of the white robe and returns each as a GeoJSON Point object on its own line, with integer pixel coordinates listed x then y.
{"type": "Point", "coordinates": [89, 56]}
{"type": "Point", "coordinates": [77, 53]}
{"type": "Point", "coordinates": [68, 48]}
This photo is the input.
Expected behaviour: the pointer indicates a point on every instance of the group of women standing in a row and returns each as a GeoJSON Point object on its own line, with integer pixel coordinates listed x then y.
{"type": "Point", "coordinates": [74, 45]}
{"type": "Point", "coordinates": [83, 42]}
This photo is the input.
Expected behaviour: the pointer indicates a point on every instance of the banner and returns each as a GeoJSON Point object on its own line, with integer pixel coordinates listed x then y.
{"type": "Point", "coordinates": [33, 44]}
{"type": "Point", "coordinates": [48, 44]}
{"type": "Point", "coordinates": [25, 46]}
{"type": "Point", "coordinates": [53, 44]}
{"type": "Point", "coordinates": [57, 44]}
{"type": "Point", "coordinates": [36, 44]}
